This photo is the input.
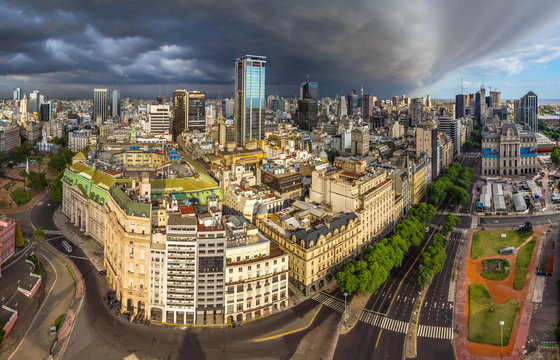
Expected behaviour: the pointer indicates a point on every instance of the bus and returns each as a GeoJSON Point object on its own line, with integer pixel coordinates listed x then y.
{"type": "Point", "coordinates": [67, 246]}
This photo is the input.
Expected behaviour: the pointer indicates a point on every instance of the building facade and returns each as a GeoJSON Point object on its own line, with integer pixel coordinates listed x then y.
{"type": "Point", "coordinates": [250, 83]}
{"type": "Point", "coordinates": [100, 106]}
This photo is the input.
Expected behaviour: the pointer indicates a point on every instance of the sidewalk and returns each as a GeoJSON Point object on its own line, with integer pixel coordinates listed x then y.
{"type": "Point", "coordinates": [37, 198]}
{"type": "Point", "coordinates": [353, 312]}
{"type": "Point", "coordinates": [91, 248]}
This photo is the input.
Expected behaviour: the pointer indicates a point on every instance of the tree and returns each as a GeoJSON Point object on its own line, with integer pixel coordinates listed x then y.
{"type": "Point", "coordinates": [528, 226]}
{"type": "Point", "coordinates": [346, 280]}
{"type": "Point", "coordinates": [19, 237]}
{"type": "Point", "coordinates": [37, 181]}
{"type": "Point", "coordinates": [56, 187]}
{"type": "Point", "coordinates": [554, 155]}
{"type": "Point", "coordinates": [436, 192]}
{"type": "Point", "coordinates": [451, 222]}
{"type": "Point", "coordinates": [332, 155]}
{"type": "Point", "coordinates": [425, 213]}
{"type": "Point", "coordinates": [459, 194]}
{"type": "Point", "coordinates": [39, 234]}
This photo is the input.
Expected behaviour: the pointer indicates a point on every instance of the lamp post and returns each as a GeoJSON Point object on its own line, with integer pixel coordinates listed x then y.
{"type": "Point", "coordinates": [501, 339]}
{"type": "Point", "coordinates": [345, 295]}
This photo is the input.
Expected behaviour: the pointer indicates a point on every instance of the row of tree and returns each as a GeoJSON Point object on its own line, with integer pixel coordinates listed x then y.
{"type": "Point", "coordinates": [451, 222]}
{"type": "Point", "coordinates": [455, 182]}
{"type": "Point", "coordinates": [432, 260]}
{"type": "Point", "coordinates": [366, 275]}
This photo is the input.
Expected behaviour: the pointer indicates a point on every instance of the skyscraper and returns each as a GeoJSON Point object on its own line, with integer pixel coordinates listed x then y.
{"type": "Point", "coordinates": [352, 103]}
{"type": "Point", "coordinates": [307, 114]}
{"type": "Point", "coordinates": [460, 104]}
{"type": "Point", "coordinates": [115, 103]}
{"type": "Point", "coordinates": [45, 111]}
{"type": "Point", "coordinates": [158, 118]}
{"type": "Point", "coordinates": [196, 114]}
{"type": "Point", "coordinates": [250, 73]}
{"type": "Point", "coordinates": [226, 108]}
{"type": "Point", "coordinates": [17, 94]}
{"type": "Point", "coordinates": [450, 126]}
{"type": "Point", "coordinates": [416, 111]}
{"type": "Point", "coordinates": [495, 101]}
{"type": "Point", "coordinates": [34, 103]}
{"type": "Point", "coordinates": [480, 107]}
{"type": "Point", "coordinates": [180, 101]}
{"type": "Point", "coordinates": [528, 111]}
{"type": "Point", "coordinates": [367, 106]}
{"type": "Point", "coordinates": [100, 106]}
{"type": "Point", "coordinates": [309, 90]}
{"type": "Point", "coordinates": [342, 107]}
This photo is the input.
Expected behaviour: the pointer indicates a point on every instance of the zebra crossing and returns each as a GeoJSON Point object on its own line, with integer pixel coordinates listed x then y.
{"type": "Point", "coordinates": [379, 320]}
{"type": "Point", "coordinates": [435, 332]}
{"type": "Point", "coordinates": [330, 301]}
{"type": "Point", "coordinates": [383, 322]}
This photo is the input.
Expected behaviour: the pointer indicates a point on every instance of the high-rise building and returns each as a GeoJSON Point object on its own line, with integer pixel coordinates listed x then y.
{"type": "Point", "coordinates": [45, 111]}
{"type": "Point", "coordinates": [307, 114]}
{"type": "Point", "coordinates": [226, 108]}
{"type": "Point", "coordinates": [180, 101]}
{"type": "Point", "coordinates": [17, 94]}
{"type": "Point", "coordinates": [480, 107]}
{"type": "Point", "coordinates": [196, 114]}
{"type": "Point", "coordinates": [250, 78]}
{"type": "Point", "coordinates": [528, 111]}
{"type": "Point", "coordinates": [416, 111]}
{"type": "Point", "coordinates": [309, 90]}
{"type": "Point", "coordinates": [395, 101]}
{"type": "Point", "coordinates": [100, 107]}
{"type": "Point", "coordinates": [158, 118]}
{"type": "Point", "coordinates": [460, 105]}
{"type": "Point", "coordinates": [426, 141]}
{"type": "Point", "coordinates": [450, 126]}
{"type": "Point", "coordinates": [367, 106]}
{"type": "Point", "coordinates": [495, 101]}
{"type": "Point", "coordinates": [33, 105]}
{"type": "Point", "coordinates": [352, 105]}
{"type": "Point", "coordinates": [115, 103]}
{"type": "Point", "coordinates": [342, 107]}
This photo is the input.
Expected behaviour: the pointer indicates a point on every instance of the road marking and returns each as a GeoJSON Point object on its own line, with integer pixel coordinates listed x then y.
{"type": "Point", "coordinates": [380, 321]}
{"type": "Point", "coordinates": [435, 332]}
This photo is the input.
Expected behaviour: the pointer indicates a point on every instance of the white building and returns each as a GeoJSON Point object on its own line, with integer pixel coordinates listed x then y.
{"type": "Point", "coordinates": [158, 119]}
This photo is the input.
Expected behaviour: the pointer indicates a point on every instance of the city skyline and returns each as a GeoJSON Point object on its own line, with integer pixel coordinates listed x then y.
{"type": "Point", "coordinates": [423, 49]}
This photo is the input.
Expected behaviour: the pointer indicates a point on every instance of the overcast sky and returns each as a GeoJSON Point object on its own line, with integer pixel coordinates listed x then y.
{"type": "Point", "coordinates": [147, 48]}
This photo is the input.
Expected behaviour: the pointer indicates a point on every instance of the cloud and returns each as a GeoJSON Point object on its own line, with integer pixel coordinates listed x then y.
{"type": "Point", "coordinates": [390, 45]}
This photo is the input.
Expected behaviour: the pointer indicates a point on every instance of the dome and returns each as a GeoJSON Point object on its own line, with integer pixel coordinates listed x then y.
{"type": "Point", "coordinates": [262, 210]}
{"type": "Point", "coordinates": [323, 154]}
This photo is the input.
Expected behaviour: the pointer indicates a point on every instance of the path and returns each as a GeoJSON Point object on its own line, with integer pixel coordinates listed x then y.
{"type": "Point", "coordinates": [500, 291]}
{"type": "Point", "coordinates": [37, 341]}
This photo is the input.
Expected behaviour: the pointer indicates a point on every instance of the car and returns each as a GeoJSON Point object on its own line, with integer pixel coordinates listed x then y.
{"type": "Point", "coordinates": [102, 273]}
{"type": "Point", "coordinates": [495, 222]}
{"type": "Point", "coordinates": [52, 330]}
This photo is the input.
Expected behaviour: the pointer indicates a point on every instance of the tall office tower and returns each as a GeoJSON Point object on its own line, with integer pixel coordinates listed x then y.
{"type": "Point", "coordinates": [23, 107]}
{"type": "Point", "coordinates": [226, 108]}
{"type": "Point", "coordinates": [100, 106]}
{"type": "Point", "coordinates": [158, 118]}
{"type": "Point", "coordinates": [307, 114]}
{"type": "Point", "coordinates": [395, 101]}
{"type": "Point", "coordinates": [367, 106]}
{"type": "Point", "coordinates": [426, 141]}
{"type": "Point", "coordinates": [352, 105]}
{"type": "Point", "coordinates": [495, 101]}
{"type": "Point", "coordinates": [309, 90]}
{"type": "Point", "coordinates": [517, 111]}
{"type": "Point", "coordinates": [528, 111]}
{"type": "Point", "coordinates": [250, 73]}
{"type": "Point", "coordinates": [428, 101]}
{"type": "Point", "coordinates": [17, 94]}
{"type": "Point", "coordinates": [460, 105]}
{"type": "Point", "coordinates": [450, 126]}
{"type": "Point", "coordinates": [180, 106]}
{"type": "Point", "coordinates": [416, 111]}
{"type": "Point", "coordinates": [115, 103]}
{"type": "Point", "coordinates": [33, 105]}
{"type": "Point", "coordinates": [480, 108]}
{"type": "Point", "coordinates": [196, 114]}
{"type": "Point", "coordinates": [342, 107]}
{"type": "Point", "coordinates": [45, 111]}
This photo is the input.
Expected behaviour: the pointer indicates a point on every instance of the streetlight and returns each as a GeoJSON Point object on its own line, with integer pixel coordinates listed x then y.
{"type": "Point", "coordinates": [345, 295]}
{"type": "Point", "coordinates": [501, 339]}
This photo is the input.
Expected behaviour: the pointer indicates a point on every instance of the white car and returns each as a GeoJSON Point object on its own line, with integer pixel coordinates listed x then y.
{"type": "Point", "coordinates": [427, 228]}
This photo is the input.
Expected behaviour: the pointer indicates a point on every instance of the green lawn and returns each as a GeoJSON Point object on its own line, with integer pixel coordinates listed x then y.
{"type": "Point", "coordinates": [519, 280]}
{"type": "Point", "coordinates": [20, 196]}
{"type": "Point", "coordinates": [485, 317]}
{"type": "Point", "coordinates": [58, 321]}
{"type": "Point", "coordinates": [488, 242]}
{"type": "Point", "coordinates": [524, 255]}
{"type": "Point", "coordinates": [496, 276]}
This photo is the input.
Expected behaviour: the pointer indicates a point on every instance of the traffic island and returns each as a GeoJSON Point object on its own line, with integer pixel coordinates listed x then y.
{"type": "Point", "coordinates": [412, 333]}
{"type": "Point", "coordinates": [353, 312]}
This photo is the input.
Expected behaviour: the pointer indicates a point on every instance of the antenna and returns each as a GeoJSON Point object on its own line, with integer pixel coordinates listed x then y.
{"type": "Point", "coordinates": [461, 86]}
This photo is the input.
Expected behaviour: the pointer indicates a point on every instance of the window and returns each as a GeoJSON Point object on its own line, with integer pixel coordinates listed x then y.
{"type": "Point", "coordinates": [141, 284]}
{"type": "Point", "coordinates": [131, 267]}
{"type": "Point", "coordinates": [130, 281]}
{"type": "Point", "coordinates": [142, 254]}
{"type": "Point", "coordinates": [141, 271]}
{"type": "Point", "coordinates": [131, 253]}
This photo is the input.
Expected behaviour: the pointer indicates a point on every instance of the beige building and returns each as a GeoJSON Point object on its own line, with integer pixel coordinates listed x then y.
{"type": "Point", "coordinates": [131, 158]}
{"type": "Point", "coordinates": [245, 201]}
{"type": "Point", "coordinates": [370, 195]}
{"type": "Point", "coordinates": [256, 275]}
{"type": "Point", "coordinates": [396, 130]}
{"type": "Point", "coordinates": [418, 184]}
{"type": "Point", "coordinates": [9, 137]}
{"type": "Point", "coordinates": [317, 241]}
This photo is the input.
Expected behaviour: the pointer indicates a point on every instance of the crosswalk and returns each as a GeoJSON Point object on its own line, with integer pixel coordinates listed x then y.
{"type": "Point", "coordinates": [330, 301]}
{"type": "Point", "coordinates": [379, 320]}
{"type": "Point", "coordinates": [435, 332]}
{"type": "Point", "coordinates": [383, 322]}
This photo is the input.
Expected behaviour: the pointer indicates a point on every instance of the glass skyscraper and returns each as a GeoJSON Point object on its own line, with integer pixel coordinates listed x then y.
{"type": "Point", "coordinates": [115, 103]}
{"type": "Point", "coordinates": [249, 98]}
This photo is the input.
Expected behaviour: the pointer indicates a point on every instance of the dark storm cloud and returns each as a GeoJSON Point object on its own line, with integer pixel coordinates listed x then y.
{"type": "Point", "coordinates": [392, 46]}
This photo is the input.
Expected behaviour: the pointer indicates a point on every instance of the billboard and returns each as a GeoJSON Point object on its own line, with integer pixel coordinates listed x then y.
{"type": "Point", "coordinates": [490, 152]}
{"type": "Point", "coordinates": [528, 151]}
